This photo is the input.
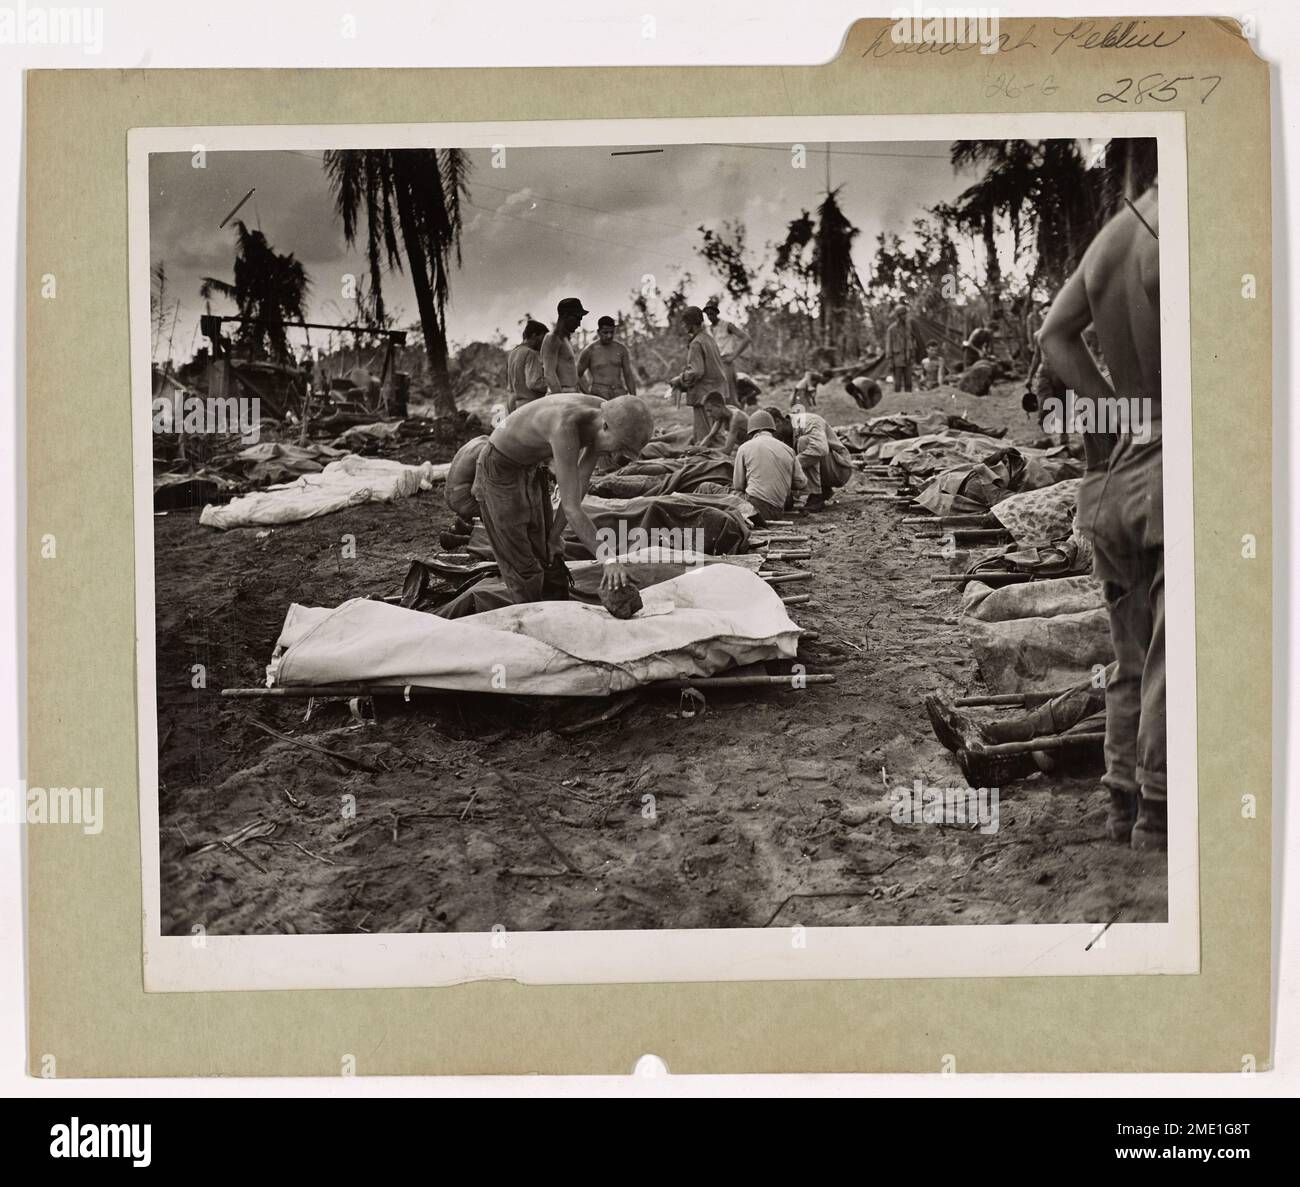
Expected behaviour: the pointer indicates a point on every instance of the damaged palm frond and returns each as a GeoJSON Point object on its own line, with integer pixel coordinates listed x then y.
{"type": "Point", "coordinates": [410, 202]}
{"type": "Point", "coordinates": [269, 289]}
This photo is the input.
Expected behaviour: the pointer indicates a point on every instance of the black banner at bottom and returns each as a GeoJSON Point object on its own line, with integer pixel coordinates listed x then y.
{"type": "Point", "coordinates": [338, 1135]}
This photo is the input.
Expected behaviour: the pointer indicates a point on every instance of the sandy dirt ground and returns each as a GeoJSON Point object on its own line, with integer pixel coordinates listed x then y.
{"type": "Point", "coordinates": [768, 809]}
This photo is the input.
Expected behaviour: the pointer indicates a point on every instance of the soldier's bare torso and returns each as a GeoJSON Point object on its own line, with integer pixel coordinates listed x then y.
{"type": "Point", "coordinates": [528, 435]}
{"type": "Point", "coordinates": [560, 362]}
{"type": "Point", "coordinates": [1121, 272]}
{"type": "Point", "coordinates": [605, 363]}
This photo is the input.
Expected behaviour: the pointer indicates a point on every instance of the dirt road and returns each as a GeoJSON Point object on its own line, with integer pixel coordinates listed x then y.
{"type": "Point", "coordinates": [770, 808]}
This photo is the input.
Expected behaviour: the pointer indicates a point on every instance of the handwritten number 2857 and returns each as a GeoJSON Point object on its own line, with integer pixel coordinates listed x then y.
{"type": "Point", "coordinates": [1156, 87]}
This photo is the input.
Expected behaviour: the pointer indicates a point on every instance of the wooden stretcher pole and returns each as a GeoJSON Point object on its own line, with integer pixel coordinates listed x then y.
{"type": "Point", "coordinates": [348, 691]}
{"type": "Point", "coordinates": [985, 578]}
{"type": "Point", "coordinates": [786, 578]}
{"type": "Point", "coordinates": [742, 681]}
{"type": "Point", "coordinates": [968, 535]}
{"type": "Point", "coordinates": [954, 521]}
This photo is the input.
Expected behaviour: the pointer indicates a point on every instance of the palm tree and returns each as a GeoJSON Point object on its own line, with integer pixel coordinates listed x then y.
{"type": "Point", "coordinates": [1007, 189]}
{"type": "Point", "coordinates": [1046, 188]}
{"type": "Point", "coordinates": [796, 273]}
{"type": "Point", "coordinates": [838, 283]}
{"type": "Point", "coordinates": [269, 289]}
{"type": "Point", "coordinates": [1129, 166]}
{"type": "Point", "coordinates": [814, 264]}
{"type": "Point", "coordinates": [414, 194]}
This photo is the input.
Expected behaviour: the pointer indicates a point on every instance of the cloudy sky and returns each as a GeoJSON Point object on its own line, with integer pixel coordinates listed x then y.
{"type": "Point", "coordinates": [551, 223]}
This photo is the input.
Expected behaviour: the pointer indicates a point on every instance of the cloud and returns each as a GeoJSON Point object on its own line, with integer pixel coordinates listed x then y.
{"type": "Point", "coordinates": [553, 222]}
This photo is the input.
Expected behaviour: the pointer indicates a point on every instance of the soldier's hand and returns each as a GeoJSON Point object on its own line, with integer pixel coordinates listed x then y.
{"type": "Point", "coordinates": [614, 576]}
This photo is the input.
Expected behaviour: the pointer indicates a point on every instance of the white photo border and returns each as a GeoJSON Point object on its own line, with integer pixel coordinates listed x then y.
{"type": "Point", "coordinates": [397, 960]}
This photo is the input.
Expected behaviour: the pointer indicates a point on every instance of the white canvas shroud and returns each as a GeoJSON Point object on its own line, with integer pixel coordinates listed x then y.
{"type": "Point", "coordinates": [343, 483]}
{"type": "Point", "coordinates": [709, 619]}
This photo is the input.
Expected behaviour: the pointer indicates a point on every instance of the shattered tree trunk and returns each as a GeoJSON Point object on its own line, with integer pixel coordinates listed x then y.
{"type": "Point", "coordinates": [993, 266]}
{"type": "Point", "coordinates": [435, 341]}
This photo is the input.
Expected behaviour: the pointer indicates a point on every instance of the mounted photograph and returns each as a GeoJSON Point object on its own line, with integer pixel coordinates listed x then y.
{"type": "Point", "coordinates": [663, 550]}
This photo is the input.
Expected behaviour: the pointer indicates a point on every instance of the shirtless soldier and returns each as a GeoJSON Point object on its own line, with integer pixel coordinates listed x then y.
{"type": "Point", "coordinates": [607, 364]}
{"type": "Point", "coordinates": [728, 426]}
{"type": "Point", "coordinates": [1121, 499]}
{"type": "Point", "coordinates": [557, 351]}
{"type": "Point", "coordinates": [567, 432]}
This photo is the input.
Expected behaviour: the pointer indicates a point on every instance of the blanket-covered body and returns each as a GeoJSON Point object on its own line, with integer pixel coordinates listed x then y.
{"type": "Point", "coordinates": [664, 476]}
{"type": "Point", "coordinates": [711, 618]}
{"type": "Point", "coordinates": [343, 483]}
{"type": "Point", "coordinates": [1039, 635]}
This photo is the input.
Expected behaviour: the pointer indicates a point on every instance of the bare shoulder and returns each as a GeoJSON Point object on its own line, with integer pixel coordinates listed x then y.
{"type": "Point", "coordinates": [1111, 243]}
{"type": "Point", "coordinates": [1149, 250]}
{"type": "Point", "coordinates": [574, 407]}
{"type": "Point", "coordinates": [1130, 229]}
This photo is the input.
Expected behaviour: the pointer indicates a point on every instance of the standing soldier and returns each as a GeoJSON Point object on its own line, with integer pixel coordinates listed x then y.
{"type": "Point", "coordinates": [557, 351]}
{"type": "Point", "coordinates": [1116, 289]}
{"type": "Point", "coordinates": [606, 364]}
{"type": "Point", "coordinates": [703, 373]}
{"type": "Point", "coordinates": [732, 343]}
{"type": "Point", "coordinates": [525, 375]}
{"type": "Point", "coordinates": [900, 349]}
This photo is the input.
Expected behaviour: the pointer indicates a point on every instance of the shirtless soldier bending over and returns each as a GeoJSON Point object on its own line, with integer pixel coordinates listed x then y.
{"type": "Point", "coordinates": [568, 432]}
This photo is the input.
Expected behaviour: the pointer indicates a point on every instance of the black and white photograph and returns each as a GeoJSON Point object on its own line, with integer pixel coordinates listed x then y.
{"type": "Point", "coordinates": [696, 549]}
